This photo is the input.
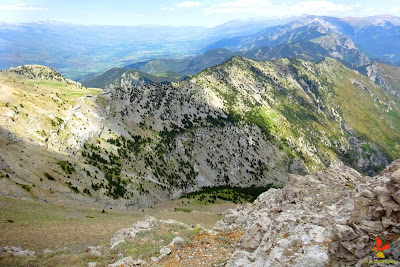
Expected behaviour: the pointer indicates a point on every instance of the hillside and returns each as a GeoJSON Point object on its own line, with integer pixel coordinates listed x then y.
{"type": "Point", "coordinates": [313, 50]}
{"type": "Point", "coordinates": [188, 66]}
{"type": "Point", "coordinates": [339, 105]}
{"type": "Point", "coordinates": [385, 75]}
{"type": "Point", "coordinates": [38, 72]}
{"type": "Point", "coordinates": [240, 123]}
{"type": "Point", "coordinates": [126, 78]}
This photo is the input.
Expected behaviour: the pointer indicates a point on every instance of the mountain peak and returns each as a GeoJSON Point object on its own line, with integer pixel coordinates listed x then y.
{"type": "Point", "coordinates": [35, 71]}
{"type": "Point", "coordinates": [379, 20]}
{"type": "Point", "coordinates": [40, 72]}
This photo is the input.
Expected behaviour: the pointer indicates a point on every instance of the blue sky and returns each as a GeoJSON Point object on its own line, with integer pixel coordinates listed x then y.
{"type": "Point", "coordinates": [180, 12]}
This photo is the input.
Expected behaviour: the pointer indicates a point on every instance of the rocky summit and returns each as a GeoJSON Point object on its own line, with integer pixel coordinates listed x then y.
{"type": "Point", "coordinates": [328, 218]}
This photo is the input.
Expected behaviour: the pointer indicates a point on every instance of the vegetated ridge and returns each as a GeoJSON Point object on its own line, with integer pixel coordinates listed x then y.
{"type": "Point", "coordinates": [241, 123]}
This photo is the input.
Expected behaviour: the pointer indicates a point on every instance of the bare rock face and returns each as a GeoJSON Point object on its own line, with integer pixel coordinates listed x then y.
{"type": "Point", "coordinates": [376, 214]}
{"type": "Point", "coordinates": [327, 218]}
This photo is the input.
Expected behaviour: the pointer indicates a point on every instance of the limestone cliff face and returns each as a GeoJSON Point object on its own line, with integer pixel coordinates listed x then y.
{"type": "Point", "coordinates": [324, 219]}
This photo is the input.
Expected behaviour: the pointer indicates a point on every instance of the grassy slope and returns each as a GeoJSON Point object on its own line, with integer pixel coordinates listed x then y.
{"type": "Point", "coordinates": [294, 89]}
{"type": "Point", "coordinates": [376, 120]}
{"type": "Point", "coordinates": [391, 76]}
{"type": "Point", "coordinates": [68, 230]}
{"type": "Point", "coordinates": [36, 102]}
{"type": "Point", "coordinates": [37, 225]}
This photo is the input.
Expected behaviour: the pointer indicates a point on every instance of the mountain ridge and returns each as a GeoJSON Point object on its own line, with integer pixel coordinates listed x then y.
{"type": "Point", "coordinates": [129, 77]}
{"type": "Point", "coordinates": [240, 123]}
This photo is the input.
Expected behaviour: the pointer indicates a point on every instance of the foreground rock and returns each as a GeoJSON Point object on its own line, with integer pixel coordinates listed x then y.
{"type": "Point", "coordinates": [150, 224]}
{"type": "Point", "coordinates": [16, 251]}
{"type": "Point", "coordinates": [323, 219]}
{"type": "Point", "coordinates": [127, 261]}
{"type": "Point", "coordinates": [94, 251]}
{"type": "Point", "coordinates": [172, 244]}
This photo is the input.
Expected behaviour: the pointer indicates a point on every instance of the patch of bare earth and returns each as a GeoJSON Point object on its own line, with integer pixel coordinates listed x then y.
{"type": "Point", "coordinates": [205, 249]}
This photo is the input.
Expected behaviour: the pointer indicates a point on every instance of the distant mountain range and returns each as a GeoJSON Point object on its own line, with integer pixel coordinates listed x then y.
{"type": "Point", "coordinates": [188, 66]}
{"type": "Point", "coordinates": [377, 37]}
{"type": "Point", "coordinates": [79, 50]}
{"type": "Point", "coordinates": [357, 43]}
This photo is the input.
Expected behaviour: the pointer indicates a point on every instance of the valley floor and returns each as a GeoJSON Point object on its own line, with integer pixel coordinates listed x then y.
{"type": "Point", "coordinates": [68, 230]}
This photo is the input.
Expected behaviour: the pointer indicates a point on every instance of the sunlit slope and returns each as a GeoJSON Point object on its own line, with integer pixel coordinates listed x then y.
{"type": "Point", "coordinates": [44, 120]}
{"type": "Point", "coordinates": [38, 108]}
{"type": "Point", "coordinates": [321, 110]}
{"type": "Point", "coordinates": [241, 123]}
{"type": "Point", "coordinates": [390, 76]}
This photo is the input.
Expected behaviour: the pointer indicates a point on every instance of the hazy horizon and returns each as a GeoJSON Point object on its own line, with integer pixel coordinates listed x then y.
{"type": "Point", "coordinates": [205, 13]}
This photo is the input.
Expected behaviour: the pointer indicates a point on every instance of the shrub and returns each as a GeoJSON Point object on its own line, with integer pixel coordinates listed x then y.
{"type": "Point", "coordinates": [66, 166]}
{"type": "Point", "coordinates": [48, 176]}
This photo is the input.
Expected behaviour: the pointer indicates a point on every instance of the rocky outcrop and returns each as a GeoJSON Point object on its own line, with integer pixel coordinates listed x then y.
{"type": "Point", "coordinates": [173, 244]}
{"type": "Point", "coordinates": [129, 234]}
{"type": "Point", "coordinates": [323, 219]}
{"type": "Point", "coordinates": [94, 251]}
{"type": "Point", "coordinates": [16, 252]}
{"type": "Point", "coordinates": [376, 213]}
{"type": "Point", "coordinates": [376, 73]}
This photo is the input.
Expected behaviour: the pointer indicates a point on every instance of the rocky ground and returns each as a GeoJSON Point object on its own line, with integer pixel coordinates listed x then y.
{"type": "Point", "coordinates": [329, 218]}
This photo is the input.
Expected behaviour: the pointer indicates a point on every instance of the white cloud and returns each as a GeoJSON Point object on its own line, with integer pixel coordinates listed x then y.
{"type": "Point", "coordinates": [239, 6]}
{"type": "Point", "coordinates": [369, 10]}
{"type": "Point", "coordinates": [167, 9]}
{"type": "Point", "coordinates": [188, 4]}
{"type": "Point", "coordinates": [21, 7]}
{"type": "Point", "coordinates": [272, 9]}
